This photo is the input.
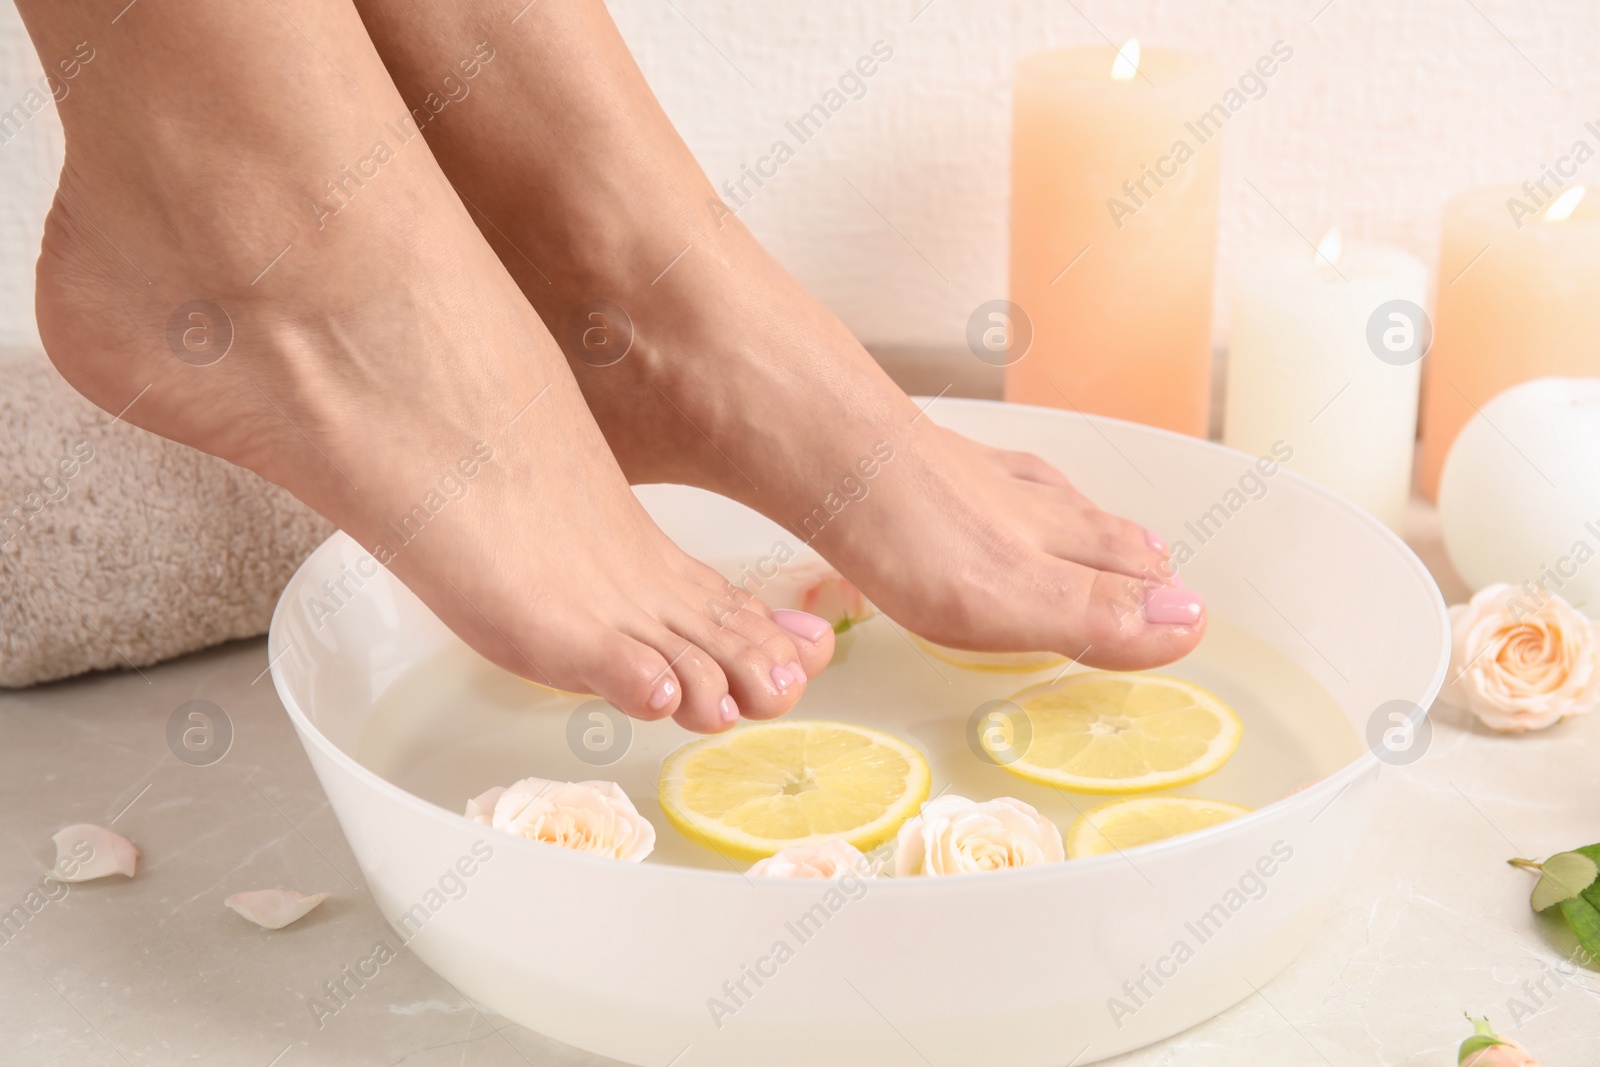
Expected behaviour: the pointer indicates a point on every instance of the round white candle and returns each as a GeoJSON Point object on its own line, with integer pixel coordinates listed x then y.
{"type": "Point", "coordinates": [1519, 500]}
{"type": "Point", "coordinates": [1303, 370]}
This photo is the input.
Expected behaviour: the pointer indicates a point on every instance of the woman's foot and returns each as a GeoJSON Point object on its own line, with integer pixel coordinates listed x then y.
{"type": "Point", "coordinates": [261, 203]}
{"type": "Point", "coordinates": [736, 379]}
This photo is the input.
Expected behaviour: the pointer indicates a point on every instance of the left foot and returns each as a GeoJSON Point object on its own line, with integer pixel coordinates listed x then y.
{"type": "Point", "coordinates": [735, 379]}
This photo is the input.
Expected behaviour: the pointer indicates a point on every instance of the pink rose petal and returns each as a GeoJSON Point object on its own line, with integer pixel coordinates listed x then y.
{"type": "Point", "coordinates": [274, 909]}
{"type": "Point", "coordinates": [85, 852]}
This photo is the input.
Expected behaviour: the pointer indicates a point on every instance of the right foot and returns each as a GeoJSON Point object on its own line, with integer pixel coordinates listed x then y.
{"type": "Point", "coordinates": [383, 365]}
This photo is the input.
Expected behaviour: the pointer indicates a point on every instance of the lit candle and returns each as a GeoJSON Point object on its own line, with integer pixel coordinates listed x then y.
{"type": "Point", "coordinates": [1114, 181]}
{"type": "Point", "coordinates": [1324, 359]}
{"type": "Point", "coordinates": [1519, 298]}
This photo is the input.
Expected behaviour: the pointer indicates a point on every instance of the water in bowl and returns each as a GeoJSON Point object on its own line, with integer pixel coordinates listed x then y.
{"type": "Point", "coordinates": [455, 725]}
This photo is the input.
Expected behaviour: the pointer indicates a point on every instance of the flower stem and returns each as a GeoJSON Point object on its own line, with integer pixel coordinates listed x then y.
{"type": "Point", "coordinates": [1527, 865]}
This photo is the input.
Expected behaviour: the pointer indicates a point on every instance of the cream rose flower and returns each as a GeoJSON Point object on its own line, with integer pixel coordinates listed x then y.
{"type": "Point", "coordinates": [595, 817]}
{"type": "Point", "coordinates": [827, 859]}
{"type": "Point", "coordinates": [1518, 666]}
{"type": "Point", "coordinates": [829, 595]}
{"type": "Point", "coordinates": [954, 835]}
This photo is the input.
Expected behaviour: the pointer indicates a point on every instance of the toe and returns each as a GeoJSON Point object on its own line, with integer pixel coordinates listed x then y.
{"type": "Point", "coordinates": [1101, 540]}
{"type": "Point", "coordinates": [1122, 623]}
{"type": "Point", "coordinates": [759, 659]}
{"type": "Point", "coordinates": [707, 707]}
{"type": "Point", "coordinates": [1025, 600]}
{"type": "Point", "coordinates": [812, 636]}
{"type": "Point", "coordinates": [627, 673]}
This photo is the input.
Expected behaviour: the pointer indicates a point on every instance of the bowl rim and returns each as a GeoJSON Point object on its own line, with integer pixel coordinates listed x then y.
{"type": "Point", "coordinates": [1332, 785]}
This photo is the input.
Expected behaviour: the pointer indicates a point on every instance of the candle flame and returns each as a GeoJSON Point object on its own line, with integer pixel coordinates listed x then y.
{"type": "Point", "coordinates": [1330, 248]}
{"type": "Point", "coordinates": [1126, 65]}
{"type": "Point", "coordinates": [1562, 207]}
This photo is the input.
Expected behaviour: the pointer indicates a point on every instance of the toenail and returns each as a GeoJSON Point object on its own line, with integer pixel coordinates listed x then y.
{"type": "Point", "coordinates": [663, 694]}
{"type": "Point", "coordinates": [801, 624]}
{"type": "Point", "coordinates": [1169, 604]}
{"type": "Point", "coordinates": [798, 671]}
{"type": "Point", "coordinates": [782, 679]}
{"type": "Point", "coordinates": [730, 710]}
{"type": "Point", "coordinates": [1153, 539]}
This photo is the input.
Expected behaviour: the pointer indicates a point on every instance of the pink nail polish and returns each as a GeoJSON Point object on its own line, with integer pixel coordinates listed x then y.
{"type": "Point", "coordinates": [782, 679]}
{"type": "Point", "coordinates": [798, 671]}
{"type": "Point", "coordinates": [803, 625]}
{"type": "Point", "coordinates": [663, 694]}
{"type": "Point", "coordinates": [1153, 539]}
{"type": "Point", "coordinates": [1170, 604]}
{"type": "Point", "coordinates": [730, 710]}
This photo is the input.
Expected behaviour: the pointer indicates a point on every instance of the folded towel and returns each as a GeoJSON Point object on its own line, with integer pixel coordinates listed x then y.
{"type": "Point", "coordinates": [118, 548]}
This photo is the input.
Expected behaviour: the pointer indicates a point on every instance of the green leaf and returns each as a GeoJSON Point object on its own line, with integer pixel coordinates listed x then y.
{"type": "Point", "coordinates": [1584, 918]}
{"type": "Point", "coordinates": [1592, 894]}
{"type": "Point", "coordinates": [1483, 1036]}
{"type": "Point", "coordinates": [1566, 875]}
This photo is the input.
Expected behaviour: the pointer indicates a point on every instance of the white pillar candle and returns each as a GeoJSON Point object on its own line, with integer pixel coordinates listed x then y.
{"type": "Point", "coordinates": [1325, 358]}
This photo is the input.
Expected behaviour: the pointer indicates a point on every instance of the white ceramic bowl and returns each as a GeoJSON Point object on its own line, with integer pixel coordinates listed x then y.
{"type": "Point", "coordinates": [1017, 967]}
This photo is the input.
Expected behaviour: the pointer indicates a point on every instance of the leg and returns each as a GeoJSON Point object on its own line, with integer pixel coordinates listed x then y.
{"type": "Point", "coordinates": [738, 380]}
{"type": "Point", "coordinates": [383, 366]}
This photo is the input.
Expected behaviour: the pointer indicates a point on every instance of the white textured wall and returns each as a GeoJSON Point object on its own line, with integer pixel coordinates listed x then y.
{"type": "Point", "coordinates": [1386, 108]}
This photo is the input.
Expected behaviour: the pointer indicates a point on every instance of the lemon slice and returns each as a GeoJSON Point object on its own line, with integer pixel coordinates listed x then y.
{"type": "Point", "coordinates": [1100, 732]}
{"type": "Point", "coordinates": [752, 791]}
{"type": "Point", "coordinates": [1118, 825]}
{"type": "Point", "coordinates": [995, 662]}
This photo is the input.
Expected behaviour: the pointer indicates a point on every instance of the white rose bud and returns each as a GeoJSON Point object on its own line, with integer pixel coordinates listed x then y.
{"type": "Point", "coordinates": [594, 817]}
{"type": "Point", "coordinates": [1522, 665]}
{"type": "Point", "coordinates": [954, 835]}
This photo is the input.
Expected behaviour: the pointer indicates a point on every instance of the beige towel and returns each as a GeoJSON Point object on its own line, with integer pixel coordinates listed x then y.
{"type": "Point", "coordinates": [118, 548]}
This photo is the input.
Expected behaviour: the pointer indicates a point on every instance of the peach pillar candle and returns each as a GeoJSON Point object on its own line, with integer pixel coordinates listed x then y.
{"type": "Point", "coordinates": [1114, 186]}
{"type": "Point", "coordinates": [1324, 363]}
{"type": "Point", "coordinates": [1518, 299]}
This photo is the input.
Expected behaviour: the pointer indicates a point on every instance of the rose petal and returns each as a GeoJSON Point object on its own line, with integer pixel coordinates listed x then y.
{"type": "Point", "coordinates": [274, 909]}
{"type": "Point", "coordinates": [85, 852]}
{"type": "Point", "coordinates": [480, 809]}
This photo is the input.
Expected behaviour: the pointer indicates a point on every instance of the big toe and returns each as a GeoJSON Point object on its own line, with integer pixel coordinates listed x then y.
{"type": "Point", "coordinates": [1100, 618]}
{"type": "Point", "coordinates": [1128, 623]}
{"type": "Point", "coordinates": [811, 635]}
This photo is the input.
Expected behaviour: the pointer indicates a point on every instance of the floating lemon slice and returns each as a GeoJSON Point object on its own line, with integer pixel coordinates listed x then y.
{"type": "Point", "coordinates": [1100, 732]}
{"type": "Point", "coordinates": [995, 662]}
{"type": "Point", "coordinates": [1118, 825]}
{"type": "Point", "coordinates": [752, 791]}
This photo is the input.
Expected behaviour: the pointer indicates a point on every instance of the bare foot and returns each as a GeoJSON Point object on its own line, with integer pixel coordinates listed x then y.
{"type": "Point", "coordinates": [375, 358]}
{"type": "Point", "coordinates": [737, 380]}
